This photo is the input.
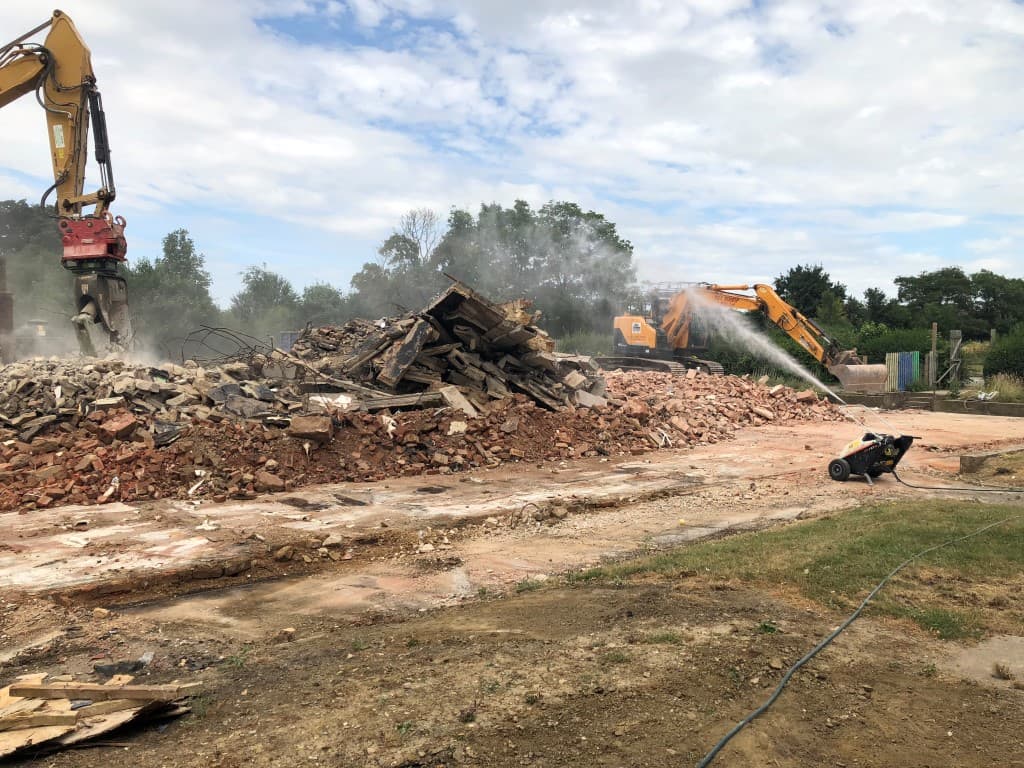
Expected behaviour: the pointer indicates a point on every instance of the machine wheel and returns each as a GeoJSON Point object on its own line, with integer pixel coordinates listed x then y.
{"type": "Point", "coordinates": [875, 472]}
{"type": "Point", "coordinates": [839, 469]}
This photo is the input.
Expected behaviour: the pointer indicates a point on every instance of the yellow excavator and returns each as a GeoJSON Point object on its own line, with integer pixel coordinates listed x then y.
{"type": "Point", "coordinates": [672, 337]}
{"type": "Point", "coordinates": [59, 72]}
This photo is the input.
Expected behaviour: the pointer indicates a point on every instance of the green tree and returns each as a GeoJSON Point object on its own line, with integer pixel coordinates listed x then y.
{"type": "Point", "coordinates": [31, 250]}
{"type": "Point", "coordinates": [169, 297]}
{"type": "Point", "coordinates": [266, 303]}
{"type": "Point", "coordinates": [830, 310]}
{"type": "Point", "coordinates": [322, 304]}
{"type": "Point", "coordinates": [805, 286]}
{"type": "Point", "coordinates": [998, 300]}
{"type": "Point", "coordinates": [571, 262]}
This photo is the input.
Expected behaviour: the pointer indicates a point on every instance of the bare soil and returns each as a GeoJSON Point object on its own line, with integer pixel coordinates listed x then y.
{"type": "Point", "coordinates": [479, 652]}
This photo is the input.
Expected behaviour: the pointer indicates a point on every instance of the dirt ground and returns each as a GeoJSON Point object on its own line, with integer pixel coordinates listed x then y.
{"type": "Point", "coordinates": [477, 651]}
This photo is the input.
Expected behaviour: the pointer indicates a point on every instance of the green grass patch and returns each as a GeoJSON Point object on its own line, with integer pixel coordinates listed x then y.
{"type": "Point", "coordinates": [837, 560]}
{"type": "Point", "coordinates": [663, 638]}
{"type": "Point", "coordinates": [528, 585]}
{"type": "Point", "coordinates": [615, 657]}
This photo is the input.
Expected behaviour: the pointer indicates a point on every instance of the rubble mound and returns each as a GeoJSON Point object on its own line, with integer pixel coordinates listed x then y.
{"type": "Point", "coordinates": [74, 447]}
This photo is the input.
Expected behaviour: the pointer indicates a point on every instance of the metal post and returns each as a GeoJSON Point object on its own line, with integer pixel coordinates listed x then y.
{"type": "Point", "coordinates": [955, 341]}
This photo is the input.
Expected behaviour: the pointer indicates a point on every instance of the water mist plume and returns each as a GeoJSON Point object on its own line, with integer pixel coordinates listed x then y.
{"type": "Point", "coordinates": [729, 324]}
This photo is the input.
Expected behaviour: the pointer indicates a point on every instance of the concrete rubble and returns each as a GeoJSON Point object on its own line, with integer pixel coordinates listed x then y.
{"type": "Point", "coordinates": [96, 431]}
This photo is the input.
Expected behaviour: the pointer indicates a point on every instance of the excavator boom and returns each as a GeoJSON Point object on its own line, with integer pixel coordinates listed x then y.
{"type": "Point", "coordinates": [59, 71]}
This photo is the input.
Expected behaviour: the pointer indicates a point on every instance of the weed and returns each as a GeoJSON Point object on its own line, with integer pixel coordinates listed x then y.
{"type": "Point", "coordinates": [663, 638]}
{"type": "Point", "coordinates": [482, 592]}
{"type": "Point", "coordinates": [412, 642]}
{"type": "Point", "coordinates": [199, 706]}
{"type": "Point", "coordinates": [615, 657]}
{"type": "Point", "coordinates": [767, 628]}
{"type": "Point", "coordinates": [929, 670]}
{"type": "Point", "coordinates": [591, 574]}
{"type": "Point", "coordinates": [527, 585]}
{"type": "Point", "coordinates": [405, 728]}
{"type": "Point", "coordinates": [360, 645]}
{"type": "Point", "coordinates": [468, 715]}
{"type": "Point", "coordinates": [491, 686]}
{"type": "Point", "coordinates": [532, 698]}
{"type": "Point", "coordinates": [1009, 387]}
{"type": "Point", "coordinates": [239, 659]}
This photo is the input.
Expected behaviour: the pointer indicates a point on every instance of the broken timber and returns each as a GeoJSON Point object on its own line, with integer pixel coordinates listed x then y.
{"type": "Point", "coordinates": [98, 692]}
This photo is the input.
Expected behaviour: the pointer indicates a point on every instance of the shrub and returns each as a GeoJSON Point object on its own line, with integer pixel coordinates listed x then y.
{"type": "Point", "coordinates": [1006, 355]}
{"type": "Point", "coordinates": [876, 345]}
{"type": "Point", "coordinates": [586, 343]}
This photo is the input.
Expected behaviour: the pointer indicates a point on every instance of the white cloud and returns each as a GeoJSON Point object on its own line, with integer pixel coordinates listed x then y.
{"type": "Point", "coordinates": [726, 142]}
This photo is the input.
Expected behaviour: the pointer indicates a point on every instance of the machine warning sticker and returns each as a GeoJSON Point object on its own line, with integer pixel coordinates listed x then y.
{"type": "Point", "coordinates": [58, 139]}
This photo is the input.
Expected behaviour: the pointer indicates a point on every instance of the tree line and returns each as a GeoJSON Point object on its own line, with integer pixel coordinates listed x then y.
{"type": "Point", "coordinates": [573, 263]}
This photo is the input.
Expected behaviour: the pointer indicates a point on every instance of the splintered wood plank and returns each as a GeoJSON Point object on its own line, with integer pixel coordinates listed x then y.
{"type": "Point", "coordinates": [12, 741]}
{"type": "Point", "coordinates": [396, 361]}
{"type": "Point", "coordinates": [97, 692]}
{"type": "Point", "coordinates": [19, 707]}
{"type": "Point", "coordinates": [37, 719]}
{"type": "Point", "coordinates": [99, 722]}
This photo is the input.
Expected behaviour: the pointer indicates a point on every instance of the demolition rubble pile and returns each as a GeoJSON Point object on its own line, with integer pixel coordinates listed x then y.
{"type": "Point", "coordinates": [488, 351]}
{"type": "Point", "coordinates": [462, 385]}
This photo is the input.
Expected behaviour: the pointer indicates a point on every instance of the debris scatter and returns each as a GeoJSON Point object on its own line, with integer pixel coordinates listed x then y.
{"type": "Point", "coordinates": [464, 384]}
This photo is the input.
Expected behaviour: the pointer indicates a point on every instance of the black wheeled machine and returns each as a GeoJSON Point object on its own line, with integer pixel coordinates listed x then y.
{"type": "Point", "coordinates": [870, 456]}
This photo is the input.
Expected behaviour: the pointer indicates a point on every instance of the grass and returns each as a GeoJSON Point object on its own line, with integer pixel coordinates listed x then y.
{"type": "Point", "coordinates": [767, 628]}
{"type": "Point", "coordinates": [837, 560]}
{"type": "Point", "coordinates": [528, 585]}
{"type": "Point", "coordinates": [1010, 387]}
{"type": "Point", "coordinates": [615, 657]}
{"type": "Point", "coordinates": [663, 638]}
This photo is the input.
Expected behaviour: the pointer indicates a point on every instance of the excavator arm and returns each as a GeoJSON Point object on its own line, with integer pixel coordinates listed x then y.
{"type": "Point", "coordinates": [795, 324]}
{"type": "Point", "coordinates": [59, 71]}
{"type": "Point", "coordinates": [844, 364]}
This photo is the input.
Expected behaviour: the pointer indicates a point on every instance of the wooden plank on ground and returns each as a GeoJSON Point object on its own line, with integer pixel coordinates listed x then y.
{"type": "Point", "coordinates": [12, 741]}
{"type": "Point", "coordinates": [98, 692]}
{"type": "Point", "coordinates": [37, 719]}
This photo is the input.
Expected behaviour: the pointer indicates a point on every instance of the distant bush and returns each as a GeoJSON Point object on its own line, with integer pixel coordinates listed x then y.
{"type": "Point", "coordinates": [1006, 355]}
{"type": "Point", "coordinates": [585, 343]}
{"type": "Point", "coordinates": [875, 345]}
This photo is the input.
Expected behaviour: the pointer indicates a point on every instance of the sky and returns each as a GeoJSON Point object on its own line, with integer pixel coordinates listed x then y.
{"type": "Point", "coordinates": [729, 140]}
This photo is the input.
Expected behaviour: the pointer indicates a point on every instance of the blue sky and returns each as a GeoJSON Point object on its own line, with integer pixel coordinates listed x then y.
{"type": "Point", "coordinates": [729, 140]}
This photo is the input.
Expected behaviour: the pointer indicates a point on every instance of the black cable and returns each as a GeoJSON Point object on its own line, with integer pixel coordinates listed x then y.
{"type": "Point", "coordinates": [828, 640]}
{"type": "Point", "coordinates": [977, 489]}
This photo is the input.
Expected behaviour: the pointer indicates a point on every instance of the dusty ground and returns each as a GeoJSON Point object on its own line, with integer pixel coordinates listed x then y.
{"type": "Point", "coordinates": [462, 655]}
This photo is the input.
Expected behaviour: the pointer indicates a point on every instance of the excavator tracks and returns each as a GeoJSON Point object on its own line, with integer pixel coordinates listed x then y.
{"type": "Point", "coordinates": [665, 366]}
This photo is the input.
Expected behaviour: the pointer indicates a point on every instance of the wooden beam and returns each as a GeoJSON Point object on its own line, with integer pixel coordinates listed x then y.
{"type": "Point", "coordinates": [37, 720]}
{"type": "Point", "coordinates": [396, 361]}
{"type": "Point", "coordinates": [98, 692]}
{"type": "Point", "coordinates": [418, 399]}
